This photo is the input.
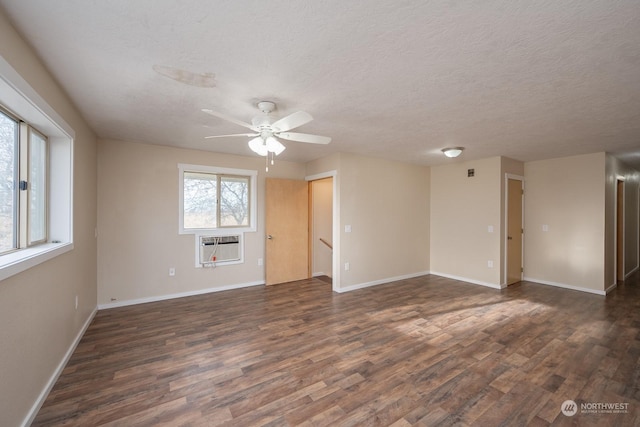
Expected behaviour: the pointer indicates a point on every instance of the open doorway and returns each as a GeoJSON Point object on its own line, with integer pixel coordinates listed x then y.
{"type": "Point", "coordinates": [620, 230]}
{"type": "Point", "coordinates": [292, 240]}
{"type": "Point", "coordinates": [321, 228]}
{"type": "Point", "coordinates": [515, 232]}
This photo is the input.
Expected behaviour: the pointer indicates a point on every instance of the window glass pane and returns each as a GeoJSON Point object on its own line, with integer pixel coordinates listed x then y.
{"type": "Point", "coordinates": [234, 201]}
{"type": "Point", "coordinates": [37, 187]}
{"type": "Point", "coordinates": [8, 180]}
{"type": "Point", "coordinates": [199, 200]}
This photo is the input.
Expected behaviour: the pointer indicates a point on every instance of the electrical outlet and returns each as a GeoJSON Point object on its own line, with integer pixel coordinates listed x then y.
{"type": "Point", "coordinates": [490, 264]}
{"type": "Point", "coordinates": [490, 229]}
{"type": "Point", "coordinates": [260, 262]}
{"type": "Point", "coordinates": [172, 271]}
{"type": "Point", "coordinates": [347, 266]}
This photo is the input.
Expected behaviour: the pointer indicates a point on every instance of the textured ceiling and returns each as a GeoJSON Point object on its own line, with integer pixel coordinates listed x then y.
{"type": "Point", "coordinates": [526, 79]}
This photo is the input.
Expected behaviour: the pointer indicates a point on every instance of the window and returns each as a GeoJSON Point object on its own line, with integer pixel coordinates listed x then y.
{"type": "Point", "coordinates": [23, 178]}
{"type": "Point", "coordinates": [216, 198]}
{"type": "Point", "coordinates": [8, 178]}
{"type": "Point", "coordinates": [36, 146]}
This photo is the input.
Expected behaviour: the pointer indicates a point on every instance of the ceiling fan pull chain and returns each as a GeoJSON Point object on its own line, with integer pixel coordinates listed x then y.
{"type": "Point", "coordinates": [266, 158]}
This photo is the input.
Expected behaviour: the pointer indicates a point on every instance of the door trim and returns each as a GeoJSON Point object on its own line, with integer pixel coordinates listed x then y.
{"type": "Point", "coordinates": [335, 260]}
{"type": "Point", "coordinates": [505, 260]}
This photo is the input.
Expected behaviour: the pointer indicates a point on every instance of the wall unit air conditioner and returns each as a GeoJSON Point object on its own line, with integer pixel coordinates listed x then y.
{"type": "Point", "coordinates": [212, 251]}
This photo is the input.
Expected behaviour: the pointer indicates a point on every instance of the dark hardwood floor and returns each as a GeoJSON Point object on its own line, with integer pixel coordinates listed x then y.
{"type": "Point", "coordinates": [425, 351]}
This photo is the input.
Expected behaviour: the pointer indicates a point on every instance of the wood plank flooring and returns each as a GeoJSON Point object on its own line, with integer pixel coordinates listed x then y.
{"type": "Point", "coordinates": [426, 351]}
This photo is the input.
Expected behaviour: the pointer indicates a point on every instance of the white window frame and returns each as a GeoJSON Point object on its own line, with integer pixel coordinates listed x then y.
{"type": "Point", "coordinates": [23, 101]}
{"type": "Point", "coordinates": [253, 199]}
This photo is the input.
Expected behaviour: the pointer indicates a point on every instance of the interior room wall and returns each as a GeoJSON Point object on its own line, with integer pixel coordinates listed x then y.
{"type": "Point", "coordinates": [322, 226]}
{"type": "Point", "coordinates": [386, 205]}
{"type": "Point", "coordinates": [463, 209]}
{"type": "Point", "coordinates": [38, 319]}
{"type": "Point", "coordinates": [566, 196]}
{"type": "Point", "coordinates": [138, 223]}
{"type": "Point", "coordinates": [616, 169]}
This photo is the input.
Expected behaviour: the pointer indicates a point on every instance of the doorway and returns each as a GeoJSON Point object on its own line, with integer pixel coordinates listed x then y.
{"type": "Point", "coordinates": [287, 223]}
{"type": "Point", "coordinates": [321, 228]}
{"type": "Point", "coordinates": [515, 232]}
{"type": "Point", "coordinates": [619, 230]}
{"type": "Point", "coordinates": [295, 247]}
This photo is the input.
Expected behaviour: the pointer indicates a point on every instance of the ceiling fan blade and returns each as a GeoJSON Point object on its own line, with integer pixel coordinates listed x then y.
{"type": "Point", "coordinates": [304, 137]}
{"type": "Point", "coordinates": [228, 118]}
{"type": "Point", "coordinates": [234, 134]}
{"type": "Point", "coordinates": [292, 121]}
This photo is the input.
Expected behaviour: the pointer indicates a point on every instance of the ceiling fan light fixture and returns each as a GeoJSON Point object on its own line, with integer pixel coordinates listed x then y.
{"type": "Point", "coordinates": [258, 146]}
{"type": "Point", "coordinates": [452, 151]}
{"type": "Point", "coordinates": [267, 132]}
{"type": "Point", "coordinates": [274, 146]}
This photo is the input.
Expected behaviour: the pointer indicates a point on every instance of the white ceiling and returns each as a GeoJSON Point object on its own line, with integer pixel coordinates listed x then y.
{"type": "Point", "coordinates": [526, 79]}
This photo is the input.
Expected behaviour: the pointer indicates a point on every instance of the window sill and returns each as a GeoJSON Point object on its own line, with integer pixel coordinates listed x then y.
{"type": "Point", "coordinates": [21, 260]}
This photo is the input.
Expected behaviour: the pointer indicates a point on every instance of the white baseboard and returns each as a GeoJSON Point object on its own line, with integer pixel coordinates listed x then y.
{"type": "Point", "coordinates": [319, 273]}
{"type": "Point", "coordinates": [565, 286]}
{"type": "Point", "coordinates": [125, 303]}
{"type": "Point", "coordinates": [472, 281]}
{"type": "Point", "coordinates": [626, 276]}
{"type": "Point", "coordinates": [58, 371]}
{"type": "Point", "coordinates": [380, 282]}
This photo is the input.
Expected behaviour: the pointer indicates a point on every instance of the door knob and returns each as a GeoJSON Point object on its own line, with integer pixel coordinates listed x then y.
{"type": "Point", "coordinates": [269, 236]}
{"type": "Point", "coordinates": [509, 238]}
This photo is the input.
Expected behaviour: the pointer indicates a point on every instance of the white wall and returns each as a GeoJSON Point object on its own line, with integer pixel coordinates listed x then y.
{"type": "Point", "coordinates": [568, 196]}
{"type": "Point", "coordinates": [38, 319]}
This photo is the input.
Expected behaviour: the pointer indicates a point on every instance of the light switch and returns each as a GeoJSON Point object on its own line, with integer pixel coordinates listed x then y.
{"type": "Point", "coordinates": [545, 227]}
{"type": "Point", "coordinates": [347, 229]}
{"type": "Point", "coordinates": [490, 229]}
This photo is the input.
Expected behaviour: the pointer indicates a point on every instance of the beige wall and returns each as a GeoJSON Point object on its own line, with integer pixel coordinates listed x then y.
{"type": "Point", "coordinates": [462, 209]}
{"type": "Point", "coordinates": [385, 202]}
{"type": "Point", "coordinates": [322, 226]}
{"type": "Point", "coordinates": [387, 206]}
{"type": "Point", "coordinates": [615, 169]}
{"type": "Point", "coordinates": [568, 196]}
{"type": "Point", "coordinates": [38, 319]}
{"type": "Point", "coordinates": [138, 223]}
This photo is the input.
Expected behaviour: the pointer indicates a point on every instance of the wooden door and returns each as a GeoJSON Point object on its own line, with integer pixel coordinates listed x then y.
{"type": "Point", "coordinates": [287, 228]}
{"type": "Point", "coordinates": [514, 231]}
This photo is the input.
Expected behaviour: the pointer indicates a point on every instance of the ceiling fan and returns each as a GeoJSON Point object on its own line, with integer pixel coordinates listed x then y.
{"type": "Point", "coordinates": [266, 129]}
